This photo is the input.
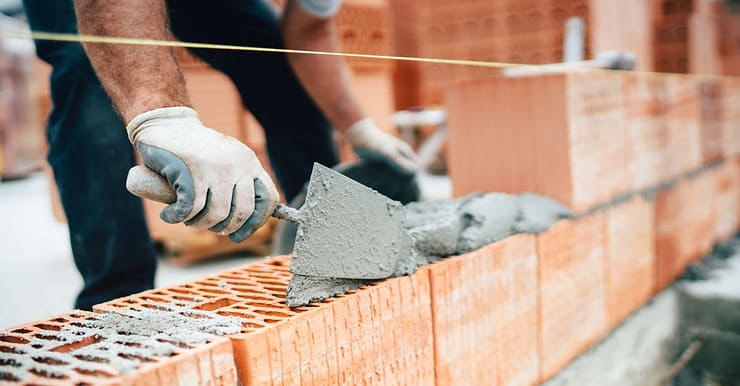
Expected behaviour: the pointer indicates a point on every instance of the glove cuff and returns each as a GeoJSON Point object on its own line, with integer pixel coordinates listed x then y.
{"type": "Point", "coordinates": [137, 123]}
{"type": "Point", "coordinates": [359, 129]}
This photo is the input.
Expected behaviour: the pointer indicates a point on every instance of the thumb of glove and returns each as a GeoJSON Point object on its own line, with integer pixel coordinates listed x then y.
{"type": "Point", "coordinates": [144, 182]}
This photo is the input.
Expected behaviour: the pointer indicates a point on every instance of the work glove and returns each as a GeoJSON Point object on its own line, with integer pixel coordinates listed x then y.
{"type": "Point", "coordinates": [218, 181]}
{"type": "Point", "coordinates": [371, 143]}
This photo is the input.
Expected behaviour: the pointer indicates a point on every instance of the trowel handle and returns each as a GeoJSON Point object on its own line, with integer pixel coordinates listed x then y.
{"type": "Point", "coordinates": [286, 213]}
{"type": "Point", "coordinates": [143, 182]}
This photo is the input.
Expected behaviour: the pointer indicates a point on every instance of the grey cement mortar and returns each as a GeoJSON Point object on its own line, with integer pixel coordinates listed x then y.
{"type": "Point", "coordinates": [436, 229]}
{"type": "Point", "coordinates": [487, 219]}
{"type": "Point", "coordinates": [537, 213]}
{"type": "Point", "coordinates": [443, 228]}
{"type": "Point", "coordinates": [125, 341]}
{"type": "Point", "coordinates": [305, 289]}
{"type": "Point", "coordinates": [349, 231]}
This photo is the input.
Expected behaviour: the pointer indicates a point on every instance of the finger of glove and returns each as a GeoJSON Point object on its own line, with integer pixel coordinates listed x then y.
{"type": "Point", "coordinates": [177, 174]}
{"type": "Point", "coordinates": [243, 206]}
{"type": "Point", "coordinates": [264, 204]}
{"type": "Point", "coordinates": [217, 208]}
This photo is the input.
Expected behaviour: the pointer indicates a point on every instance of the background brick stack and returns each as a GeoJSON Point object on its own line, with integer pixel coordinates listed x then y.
{"type": "Point", "coordinates": [511, 31]}
{"type": "Point", "coordinates": [687, 36]}
{"type": "Point", "coordinates": [730, 41]}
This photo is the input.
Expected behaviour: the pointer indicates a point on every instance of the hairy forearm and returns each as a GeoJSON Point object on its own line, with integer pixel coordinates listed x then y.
{"type": "Point", "coordinates": [137, 78]}
{"type": "Point", "coordinates": [325, 78]}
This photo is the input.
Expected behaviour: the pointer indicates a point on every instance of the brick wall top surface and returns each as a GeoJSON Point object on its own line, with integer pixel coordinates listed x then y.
{"type": "Point", "coordinates": [62, 350]}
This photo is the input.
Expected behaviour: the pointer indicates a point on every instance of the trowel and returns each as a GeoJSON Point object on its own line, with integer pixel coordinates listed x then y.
{"type": "Point", "coordinates": [345, 229]}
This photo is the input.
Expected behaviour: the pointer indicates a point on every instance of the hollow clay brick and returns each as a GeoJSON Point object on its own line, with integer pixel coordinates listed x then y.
{"type": "Point", "coordinates": [727, 179]}
{"type": "Point", "coordinates": [710, 120]}
{"type": "Point", "coordinates": [572, 291]}
{"type": "Point", "coordinates": [207, 363]}
{"type": "Point", "coordinates": [630, 257]}
{"type": "Point", "coordinates": [485, 314]}
{"type": "Point", "coordinates": [683, 116]}
{"type": "Point", "coordinates": [647, 134]}
{"type": "Point", "coordinates": [338, 341]}
{"type": "Point", "coordinates": [560, 135]}
{"type": "Point", "coordinates": [731, 116]}
{"type": "Point", "coordinates": [685, 222]}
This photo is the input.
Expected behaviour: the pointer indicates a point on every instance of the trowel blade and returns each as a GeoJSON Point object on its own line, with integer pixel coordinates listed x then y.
{"type": "Point", "coordinates": [348, 230]}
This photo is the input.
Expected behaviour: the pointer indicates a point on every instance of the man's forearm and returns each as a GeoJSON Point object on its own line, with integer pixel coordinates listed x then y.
{"type": "Point", "coordinates": [326, 78]}
{"type": "Point", "coordinates": [137, 78]}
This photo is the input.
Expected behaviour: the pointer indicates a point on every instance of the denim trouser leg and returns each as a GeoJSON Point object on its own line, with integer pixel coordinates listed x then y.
{"type": "Point", "coordinates": [297, 133]}
{"type": "Point", "coordinates": [90, 156]}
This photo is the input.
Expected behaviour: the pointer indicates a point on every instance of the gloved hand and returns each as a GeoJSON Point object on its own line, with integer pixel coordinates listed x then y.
{"type": "Point", "coordinates": [371, 143]}
{"type": "Point", "coordinates": [218, 181]}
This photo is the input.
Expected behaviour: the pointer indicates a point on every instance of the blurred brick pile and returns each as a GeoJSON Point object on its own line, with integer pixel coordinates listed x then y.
{"type": "Point", "coordinates": [21, 142]}
{"type": "Point", "coordinates": [511, 31]}
{"type": "Point", "coordinates": [684, 36]}
{"type": "Point", "coordinates": [692, 36]}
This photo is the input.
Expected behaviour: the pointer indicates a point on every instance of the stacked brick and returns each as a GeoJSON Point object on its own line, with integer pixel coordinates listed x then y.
{"type": "Point", "coordinates": [559, 135]}
{"type": "Point", "coordinates": [514, 312]}
{"type": "Point", "coordinates": [37, 354]}
{"type": "Point", "coordinates": [484, 310]}
{"type": "Point", "coordinates": [591, 135]}
{"type": "Point", "coordinates": [511, 31]}
{"type": "Point", "coordinates": [650, 162]}
{"type": "Point", "coordinates": [687, 36]}
{"type": "Point", "coordinates": [730, 42]}
{"type": "Point", "coordinates": [378, 334]}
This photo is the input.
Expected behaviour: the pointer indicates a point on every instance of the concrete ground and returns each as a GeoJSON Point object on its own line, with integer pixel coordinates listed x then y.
{"type": "Point", "coordinates": [38, 278]}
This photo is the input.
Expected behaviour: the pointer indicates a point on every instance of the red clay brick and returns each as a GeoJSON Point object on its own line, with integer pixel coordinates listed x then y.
{"type": "Point", "coordinates": [207, 363]}
{"type": "Point", "coordinates": [338, 341]}
{"type": "Point", "coordinates": [485, 314]}
{"type": "Point", "coordinates": [572, 149]}
{"type": "Point", "coordinates": [710, 102]}
{"type": "Point", "coordinates": [572, 291]}
{"type": "Point", "coordinates": [731, 116]}
{"type": "Point", "coordinates": [647, 134]}
{"type": "Point", "coordinates": [685, 222]}
{"type": "Point", "coordinates": [727, 179]}
{"type": "Point", "coordinates": [683, 117]}
{"type": "Point", "coordinates": [630, 257]}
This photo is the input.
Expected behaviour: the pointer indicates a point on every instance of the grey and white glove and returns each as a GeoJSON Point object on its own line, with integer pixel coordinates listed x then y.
{"type": "Point", "coordinates": [370, 142]}
{"type": "Point", "coordinates": [218, 181]}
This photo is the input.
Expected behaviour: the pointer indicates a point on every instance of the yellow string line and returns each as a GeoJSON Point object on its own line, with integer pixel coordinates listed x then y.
{"type": "Point", "coordinates": [171, 43]}
{"type": "Point", "coordinates": [78, 38]}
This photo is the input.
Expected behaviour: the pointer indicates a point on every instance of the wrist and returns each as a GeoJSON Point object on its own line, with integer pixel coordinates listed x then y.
{"type": "Point", "coordinates": [145, 103]}
{"type": "Point", "coordinates": [360, 128]}
{"type": "Point", "coordinates": [140, 121]}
